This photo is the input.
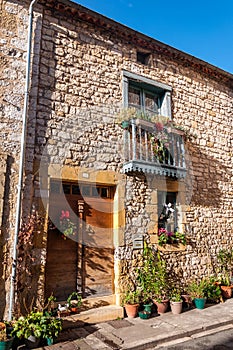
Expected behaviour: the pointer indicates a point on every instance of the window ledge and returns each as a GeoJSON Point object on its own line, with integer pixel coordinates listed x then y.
{"type": "Point", "coordinates": [172, 247]}
{"type": "Point", "coordinates": [176, 247]}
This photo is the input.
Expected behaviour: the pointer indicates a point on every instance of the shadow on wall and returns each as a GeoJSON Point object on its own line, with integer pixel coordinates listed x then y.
{"type": "Point", "coordinates": [207, 175]}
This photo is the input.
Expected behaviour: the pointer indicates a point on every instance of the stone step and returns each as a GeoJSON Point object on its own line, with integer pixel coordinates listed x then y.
{"type": "Point", "coordinates": [94, 315]}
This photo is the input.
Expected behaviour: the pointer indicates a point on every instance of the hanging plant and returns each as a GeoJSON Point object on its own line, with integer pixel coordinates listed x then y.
{"type": "Point", "coordinates": [66, 226]}
{"type": "Point", "coordinates": [63, 224]}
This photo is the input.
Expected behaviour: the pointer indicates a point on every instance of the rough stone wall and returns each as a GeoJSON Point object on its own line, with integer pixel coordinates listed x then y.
{"type": "Point", "coordinates": [76, 95]}
{"type": "Point", "coordinates": [12, 70]}
{"type": "Point", "coordinates": [13, 46]}
{"type": "Point", "coordinates": [85, 86]}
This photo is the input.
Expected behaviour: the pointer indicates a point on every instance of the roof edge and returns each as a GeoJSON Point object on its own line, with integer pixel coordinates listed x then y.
{"type": "Point", "coordinates": [139, 39]}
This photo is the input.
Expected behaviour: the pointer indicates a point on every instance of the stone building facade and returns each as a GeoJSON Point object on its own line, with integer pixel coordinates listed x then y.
{"type": "Point", "coordinates": [85, 69]}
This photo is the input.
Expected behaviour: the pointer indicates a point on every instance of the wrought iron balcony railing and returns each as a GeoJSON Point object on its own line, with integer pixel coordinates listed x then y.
{"type": "Point", "coordinates": [153, 148]}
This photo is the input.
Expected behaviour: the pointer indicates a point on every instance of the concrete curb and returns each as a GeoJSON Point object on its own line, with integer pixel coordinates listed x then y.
{"type": "Point", "coordinates": [169, 339]}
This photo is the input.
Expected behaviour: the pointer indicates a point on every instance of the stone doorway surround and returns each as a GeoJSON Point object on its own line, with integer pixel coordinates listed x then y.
{"type": "Point", "coordinates": [90, 176]}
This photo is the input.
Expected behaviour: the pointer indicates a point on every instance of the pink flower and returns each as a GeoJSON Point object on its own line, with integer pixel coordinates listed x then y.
{"type": "Point", "coordinates": [65, 214]}
{"type": "Point", "coordinates": [159, 126]}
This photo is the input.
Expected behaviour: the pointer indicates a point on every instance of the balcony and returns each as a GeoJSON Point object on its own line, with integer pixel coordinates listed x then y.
{"type": "Point", "coordinates": [154, 149]}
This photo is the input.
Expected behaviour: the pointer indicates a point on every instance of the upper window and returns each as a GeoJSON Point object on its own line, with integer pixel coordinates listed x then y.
{"type": "Point", "coordinates": [143, 57]}
{"type": "Point", "coordinates": [143, 100]}
{"type": "Point", "coordinates": [146, 95]}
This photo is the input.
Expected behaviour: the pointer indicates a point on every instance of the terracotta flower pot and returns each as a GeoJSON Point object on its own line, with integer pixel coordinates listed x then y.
{"type": "Point", "coordinates": [161, 306]}
{"type": "Point", "coordinates": [226, 291]}
{"type": "Point", "coordinates": [187, 299]}
{"type": "Point", "coordinates": [74, 309]}
{"type": "Point", "coordinates": [176, 307]}
{"type": "Point", "coordinates": [131, 310]}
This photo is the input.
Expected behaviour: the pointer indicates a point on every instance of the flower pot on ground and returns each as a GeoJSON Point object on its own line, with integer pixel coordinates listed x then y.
{"type": "Point", "coordinates": [6, 344]}
{"type": "Point", "coordinates": [197, 290]}
{"type": "Point", "coordinates": [35, 327]}
{"type": "Point", "coordinates": [187, 301]}
{"type": "Point", "coordinates": [131, 302]}
{"type": "Point", "coordinates": [176, 301]}
{"type": "Point", "coordinates": [131, 310]}
{"type": "Point", "coordinates": [144, 314]}
{"type": "Point", "coordinates": [162, 305]}
{"type": "Point", "coordinates": [225, 285]}
{"type": "Point", "coordinates": [74, 301]}
{"type": "Point", "coordinates": [199, 303]}
{"type": "Point", "coordinates": [225, 259]}
{"type": "Point", "coordinates": [160, 286]}
{"type": "Point", "coordinates": [212, 290]}
{"type": "Point", "coordinates": [176, 307]}
{"type": "Point", "coordinates": [147, 307]}
{"type": "Point", "coordinates": [6, 340]}
{"type": "Point", "coordinates": [49, 341]}
{"type": "Point", "coordinates": [32, 342]}
{"type": "Point", "coordinates": [226, 291]}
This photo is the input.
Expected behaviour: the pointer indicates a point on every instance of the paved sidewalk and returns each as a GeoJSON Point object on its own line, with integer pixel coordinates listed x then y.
{"type": "Point", "coordinates": [138, 334]}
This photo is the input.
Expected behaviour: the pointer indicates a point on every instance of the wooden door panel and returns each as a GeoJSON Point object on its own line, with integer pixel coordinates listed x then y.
{"type": "Point", "coordinates": [88, 259]}
{"type": "Point", "coordinates": [61, 264]}
{"type": "Point", "coordinates": [98, 270]}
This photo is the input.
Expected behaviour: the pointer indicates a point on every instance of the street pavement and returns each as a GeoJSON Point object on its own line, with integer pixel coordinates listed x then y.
{"type": "Point", "coordinates": [157, 332]}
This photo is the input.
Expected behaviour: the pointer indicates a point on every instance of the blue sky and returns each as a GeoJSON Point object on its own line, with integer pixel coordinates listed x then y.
{"type": "Point", "coordinates": [202, 28]}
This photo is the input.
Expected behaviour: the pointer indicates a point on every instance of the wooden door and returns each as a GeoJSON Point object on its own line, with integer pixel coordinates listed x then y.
{"type": "Point", "coordinates": [97, 263]}
{"type": "Point", "coordinates": [85, 262]}
{"type": "Point", "coordinates": [62, 256]}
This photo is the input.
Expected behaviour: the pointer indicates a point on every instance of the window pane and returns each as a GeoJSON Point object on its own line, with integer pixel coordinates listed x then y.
{"type": "Point", "coordinates": [55, 187]}
{"type": "Point", "coordinates": [95, 192]}
{"type": "Point", "coordinates": [75, 189]}
{"type": "Point", "coordinates": [151, 103]}
{"type": "Point", "coordinates": [167, 211]}
{"type": "Point", "coordinates": [104, 192]}
{"type": "Point", "coordinates": [86, 191]}
{"type": "Point", "coordinates": [66, 188]}
{"type": "Point", "coordinates": [134, 97]}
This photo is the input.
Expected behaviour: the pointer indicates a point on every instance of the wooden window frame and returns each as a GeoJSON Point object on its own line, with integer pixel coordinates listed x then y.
{"type": "Point", "coordinates": [163, 91]}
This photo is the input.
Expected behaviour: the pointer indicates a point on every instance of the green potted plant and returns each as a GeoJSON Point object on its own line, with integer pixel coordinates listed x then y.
{"type": "Point", "coordinates": [131, 300]}
{"type": "Point", "coordinates": [197, 290]}
{"type": "Point", "coordinates": [225, 258]}
{"type": "Point", "coordinates": [212, 290]}
{"type": "Point", "coordinates": [74, 301]}
{"type": "Point", "coordinates": [159, 288]}
{"type": "Point", "coordinates": [176, 301]}
{"type": "Point", "coordinates": [30, 328]}
{"type": "Point", "coordinates": [51, 329]}
{"type": "Point", "coordinates": [6, 339]}
{"type": "Point", "coordinates": [36, 326]}
{"type": "Point", "coordinates": [146, 277]}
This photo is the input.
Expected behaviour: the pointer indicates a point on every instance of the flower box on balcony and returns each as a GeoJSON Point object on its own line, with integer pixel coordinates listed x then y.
{"type": "Point", "coordinates": [154, 148]}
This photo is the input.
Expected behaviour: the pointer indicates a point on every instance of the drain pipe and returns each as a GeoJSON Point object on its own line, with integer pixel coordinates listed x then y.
{"type": "Point", "coordinates": [21, 164]}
